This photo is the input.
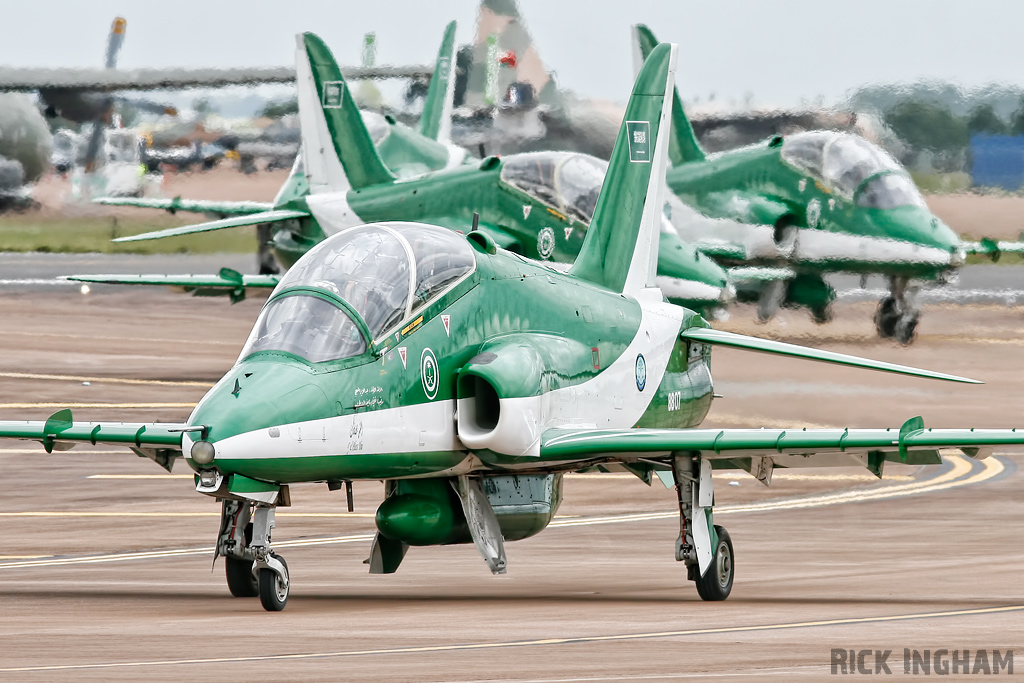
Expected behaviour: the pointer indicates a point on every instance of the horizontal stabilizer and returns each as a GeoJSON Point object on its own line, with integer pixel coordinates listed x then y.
{"type": "Point", "coordinates": [741, 341]}
{"type": "Point", "coordinates": [190, 205]}
{"type": "Point", "coordinates": [251, 219]}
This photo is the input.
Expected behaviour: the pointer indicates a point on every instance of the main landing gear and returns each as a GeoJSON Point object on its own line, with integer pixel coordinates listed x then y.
{"type": "Point", "coordinates": [705, 547]}
{"type": "Point", "coordinates": [250, 565]}
{"type": "Point", "coordinates": [898, 314]}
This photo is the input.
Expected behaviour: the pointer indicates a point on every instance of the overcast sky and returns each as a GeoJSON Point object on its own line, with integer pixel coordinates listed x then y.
{"type": "Point", "coordinates": [779, 52]}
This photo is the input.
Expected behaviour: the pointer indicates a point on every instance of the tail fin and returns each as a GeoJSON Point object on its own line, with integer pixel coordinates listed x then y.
{"type": "Point", "coordinates": [436, 122]}
{"type": "Point", "coordinates": [114, 42]}
{"type": "Point", "coordinates": [506, 67]}
{"type": "Point", "coordinates": [337, 149]}
{"type": "Point", "coordinates": [683, 145]}
{"type": "Point", "coordinates": [620, 251]}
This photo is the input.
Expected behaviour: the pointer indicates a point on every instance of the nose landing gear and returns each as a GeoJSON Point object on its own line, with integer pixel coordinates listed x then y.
{"type": "Point", "coordinates": [897, 315]}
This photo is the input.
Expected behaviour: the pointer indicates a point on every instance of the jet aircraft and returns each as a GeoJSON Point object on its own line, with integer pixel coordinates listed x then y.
{"type": "Point", "coordinates": [470, 380]}
{"type": "Point", "coordinates": [538, 205]}
{"type": "Point", "coordinates": [813, 203]}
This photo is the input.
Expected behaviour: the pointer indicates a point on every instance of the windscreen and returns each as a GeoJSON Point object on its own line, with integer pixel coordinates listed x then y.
{"type": "Point", "coordinates": [889, 191]}
{"type": "Point", "coordinates": [369, 268]}
{"type": "Point", "coordinates": [384, 271]}
{"type": "Point", "coordinates": [306, 326]}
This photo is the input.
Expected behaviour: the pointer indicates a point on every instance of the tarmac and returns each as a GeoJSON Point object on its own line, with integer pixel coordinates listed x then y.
{"type": "Point", "coordinates": [105, 567]}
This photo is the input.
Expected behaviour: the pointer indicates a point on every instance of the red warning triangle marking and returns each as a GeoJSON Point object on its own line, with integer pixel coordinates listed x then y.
{"type": "Point", "coordinates": [447, 321]}
{"type": "Point", "coordinates": [404, 354]}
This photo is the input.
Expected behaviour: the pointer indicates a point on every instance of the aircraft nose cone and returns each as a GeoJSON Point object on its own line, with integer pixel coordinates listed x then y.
{"type": "Point", "coordinates": [257, 395]}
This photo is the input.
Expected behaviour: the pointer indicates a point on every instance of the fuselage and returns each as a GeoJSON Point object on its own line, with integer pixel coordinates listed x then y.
{"type": "Point", "coordinates": [558, 351]}
{"type": "Point", "coordinates": [518, 220]}
{"type": "Point", "coordinates": [824, 201]}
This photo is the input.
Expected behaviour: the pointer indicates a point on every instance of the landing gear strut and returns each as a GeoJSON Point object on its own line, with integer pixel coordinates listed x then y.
{"type": "Point", "coordinates": [898, 314]}
{"type": "Point", "coordinates": [705, 548]}
{"type": "Point", "coordinates": [251, 567]}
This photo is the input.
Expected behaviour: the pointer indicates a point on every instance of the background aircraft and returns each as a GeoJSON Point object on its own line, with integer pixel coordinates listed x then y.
{"type": "Point", "coordinates": [816, 203]}
{"type": "Point", "coordinates": [538, 205]}
{"type": "Point", "coordinates": [404, 325]}
{"type": "Point", "coordinates": [90, 97]}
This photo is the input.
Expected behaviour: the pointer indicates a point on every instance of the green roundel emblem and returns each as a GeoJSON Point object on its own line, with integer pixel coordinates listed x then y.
{"type": "Point", "coordinates": [641, 372]}
{"type": "Point", "coordinates": [546, 242]}
{"type": "Point", "coordinates": [429, 373]}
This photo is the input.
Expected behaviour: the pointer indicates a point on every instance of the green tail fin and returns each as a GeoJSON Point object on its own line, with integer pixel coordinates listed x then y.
{"type": "Point", "coordinates": [620, 251]}
{"type": "Point", "coordinates": [337, 149]}
{"type": "Point", "coordinates": [683, 145]}
{"type": "Point", "coordinates": [436, 122]}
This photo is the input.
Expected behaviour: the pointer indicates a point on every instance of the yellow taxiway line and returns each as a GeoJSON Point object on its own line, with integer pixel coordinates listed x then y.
{"type": "Point", "coordinates": [958, 475]}
{"type": "Point", "coordinates": [105, 380]}
{"type": "Point", "coordinates": [538, 642]}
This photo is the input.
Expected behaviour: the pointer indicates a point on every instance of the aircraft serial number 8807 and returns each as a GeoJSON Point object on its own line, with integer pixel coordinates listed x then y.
{"type": "Point", "coordinates": [470, 379]}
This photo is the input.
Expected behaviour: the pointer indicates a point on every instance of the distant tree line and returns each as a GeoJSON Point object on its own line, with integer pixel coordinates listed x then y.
{"type": "Point", "coordinates": [934, 121]}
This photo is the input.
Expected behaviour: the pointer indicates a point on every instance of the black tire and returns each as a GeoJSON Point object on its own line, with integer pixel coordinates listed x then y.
{"type": "Point", "coordinates": [716, 584]}
{"type": "Point", "coordinates": [886, 318]}
{"type": "Point", "coordinates": [822, 314]}
{"type": "Point", "coordinates": [273, 596]}
{"type": "Point", "coordinates": [906, 330]}
{"type": "Point", "coordinates": [241, 581]}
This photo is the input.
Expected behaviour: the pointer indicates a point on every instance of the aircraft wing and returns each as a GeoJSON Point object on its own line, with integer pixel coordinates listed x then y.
{"type": "Point", "coordinates": [113, 80]}
{"type": "Point", "coordinates": [159, 441]}
{"type": "Point", "coordinates": [741, 448]}
{"type": "Point", "coordinates": [993, 248]}
{"type": "Point", "coordinates": [223, 209]}
{"type": "Point", "coordinates": [251, 219]}
{"type": "Point", "coordinates": [227, 282]}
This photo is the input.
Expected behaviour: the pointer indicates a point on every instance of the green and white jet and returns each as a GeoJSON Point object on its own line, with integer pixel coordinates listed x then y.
{"type": "Point", "coordinates": [536, 204]}
{"type": "Point", "coordinates": [811, 203]}
{"type": "Point", "coordinates": [469, 379]}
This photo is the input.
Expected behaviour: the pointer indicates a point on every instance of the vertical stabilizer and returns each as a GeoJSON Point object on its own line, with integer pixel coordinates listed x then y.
{"type": "Point", "coordinates": [337, 149]}
{"type": "Point", "coordinates": [506, 68]}
{"type": "Point", "coordinates": [114, 42]}
{"type": "Point", "coordinates": [683, 145]}
{"type": "Point", "coordinates": [436, 122]}
{"type": "Point", "coordinates": [620, 251]}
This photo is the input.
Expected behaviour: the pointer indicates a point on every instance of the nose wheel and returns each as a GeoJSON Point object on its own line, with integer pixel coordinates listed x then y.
{"type": "Point", "coordinates": [897, 315]}
{"type": "Point", "coordinates": [274, 584]}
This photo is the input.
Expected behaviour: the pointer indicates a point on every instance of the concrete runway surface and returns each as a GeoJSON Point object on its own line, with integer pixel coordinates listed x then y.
{"type": "Point", "coordinates": [105, 567]}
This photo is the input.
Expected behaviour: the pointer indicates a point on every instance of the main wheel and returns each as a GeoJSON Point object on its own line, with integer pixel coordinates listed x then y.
{"type": "Point", "coordinates": [716, 584]}
{"type": "Point", "coordinates": [274, 591]}
{"type": "Point", "coordinates": [241, 581]}
{"type": "Point", "coordinates": [886, 317]}
{"type": "Point", "coordinates": [906, 329]}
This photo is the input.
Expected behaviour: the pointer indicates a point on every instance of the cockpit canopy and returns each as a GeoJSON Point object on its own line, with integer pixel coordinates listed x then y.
{"type": "Point", "coordinates": [384, 272]}
{"type": "Point", "coordinates": [851, 166]}
{"type": "Point", "coordinates": [565, 181]}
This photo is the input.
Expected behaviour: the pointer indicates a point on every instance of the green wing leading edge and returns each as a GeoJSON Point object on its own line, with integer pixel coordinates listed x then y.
{"type": "Point", "coordinates": [458, 373]}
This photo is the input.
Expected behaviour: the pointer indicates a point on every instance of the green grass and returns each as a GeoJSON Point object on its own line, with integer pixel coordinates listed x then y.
{"type": "Point", "coordinates": [942, 183]}
{"type": "Point", "coordinates": [91, 234]}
